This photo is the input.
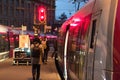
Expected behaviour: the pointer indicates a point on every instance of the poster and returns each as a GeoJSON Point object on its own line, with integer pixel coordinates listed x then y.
{"type": "Point", "coordinates": [24, 41]}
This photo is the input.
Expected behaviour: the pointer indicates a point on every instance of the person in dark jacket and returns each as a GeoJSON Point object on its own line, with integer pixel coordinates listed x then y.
{"type": "Point", "coordinates": [36, 60]}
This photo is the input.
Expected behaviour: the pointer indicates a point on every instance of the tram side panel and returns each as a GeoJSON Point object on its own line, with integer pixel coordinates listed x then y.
{"type": "Point", "coordinates": [116, 44]}
{"type": "Point", "coordinates": [77, 45]}
{"type": "Point", "coordinates": [104, 56]}
{"type": "Point", "coordinates": [101, 59]}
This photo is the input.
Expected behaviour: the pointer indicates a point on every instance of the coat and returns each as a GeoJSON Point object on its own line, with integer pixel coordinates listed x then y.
{"type": "Point", "coordinates": [37, 60]}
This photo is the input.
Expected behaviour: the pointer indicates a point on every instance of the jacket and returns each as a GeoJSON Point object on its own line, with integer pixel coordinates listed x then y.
{"type": "Point", "coordinates": [37, 60]}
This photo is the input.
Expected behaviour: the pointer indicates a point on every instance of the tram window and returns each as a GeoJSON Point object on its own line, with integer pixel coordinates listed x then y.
{"type": "Point", "coordinates": [3, 43]}
{"type": "Point", "coordinates": [93, 33]}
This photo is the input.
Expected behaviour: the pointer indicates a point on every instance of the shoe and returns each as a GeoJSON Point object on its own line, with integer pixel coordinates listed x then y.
{"type": "Point", "coordinates": [37, 79]}
{"type": "Point", "coordinates": [33, 78]}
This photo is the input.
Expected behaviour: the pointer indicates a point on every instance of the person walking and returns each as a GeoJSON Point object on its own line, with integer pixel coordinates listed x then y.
{"type": "Point", "coordinates": [36, 58]}
{"type": "Point", "coordinates": [45, 45]}
{"type": "Point", "coordinates": [55, 48]}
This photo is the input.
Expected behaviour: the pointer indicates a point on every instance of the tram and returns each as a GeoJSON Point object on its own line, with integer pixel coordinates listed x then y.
{"type": "Point", "coordinates": [4, 48]}
{"type": "Point", "coordinates": [89, 43]}
{"type": "Point", "coordinates": [9, 40]}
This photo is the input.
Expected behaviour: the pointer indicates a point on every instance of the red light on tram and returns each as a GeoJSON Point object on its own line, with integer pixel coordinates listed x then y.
{"type": "Point", "coordinates": [75, 22]}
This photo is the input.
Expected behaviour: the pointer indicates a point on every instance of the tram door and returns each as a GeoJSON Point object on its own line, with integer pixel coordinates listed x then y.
{"type": "Point", "coordinates": [77, 43]}
{"type": "Point", "coordinates": [91, 55]}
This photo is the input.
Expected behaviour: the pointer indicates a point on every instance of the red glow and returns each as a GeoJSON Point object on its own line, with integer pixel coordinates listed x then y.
{"type": "Point", "coordinates": [41, 14]}
{"type": "Point", "coordinates": [75, 22]}
{"type": "Point", "coordinates": [31, 37]}
{"type": "Point", "coordinates": [42, 10]}
{"type": "Point", "coordinates": [116, 45]}
{"type": "Point", "coordinates": [42, 17]}
{"type": "Point", "coordinates": [6, 39]}
{"type": "Point", "coordinates": [17, 38]}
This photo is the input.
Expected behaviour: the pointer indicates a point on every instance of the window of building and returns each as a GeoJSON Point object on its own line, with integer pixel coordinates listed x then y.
{"type": "Point", "coordinates": [0, 9]}
{"type": "Point", "coordinates": [5, 10]}
{"type": "Point", "coordinates": [11, 11]}
{"type": "Point", "coordinates": [11, 1]}
{"type": "Point", "coordinates": [0, 1]}
{"type": "Point", "coordinates": [1, 21]}
{"type": "Point", "coordinates": [5, 22]}
{"type": "Point", "coordinates": [12, 22]}
{"type": "Point", "coordinates": [17, 3]}
{"type": "Point", "coordinates": [17, 12]}
{"type": "Point", "coordinates": [29, 6]}
{"type": "Point", "coordinates": [22, 13]}
{"type": "Point", "coordinates": [15, 23]}
{"type": "Point", "coordinates": [5, 2]}
{"type": "Point", "coordinates": [22, 3]}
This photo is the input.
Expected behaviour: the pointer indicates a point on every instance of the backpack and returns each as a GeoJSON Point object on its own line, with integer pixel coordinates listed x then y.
{"type": "Point", "coordinates": [36, 51]}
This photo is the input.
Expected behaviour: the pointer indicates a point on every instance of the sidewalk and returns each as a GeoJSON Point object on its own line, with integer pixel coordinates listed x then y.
{"type": "Point", "coordinates": [23, 72]}
{"type": "Point", "coordinates": [49, 71]}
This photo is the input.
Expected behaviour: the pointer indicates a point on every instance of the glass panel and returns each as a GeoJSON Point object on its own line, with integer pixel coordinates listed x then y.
{"type": "Point", "coordinates": [61, 44]}
{"type": "Point", "coordinates": [91, 55]}
{"type": "Point", "coordinates": [3, 42]}
{"type": "Point", "coordinates": [77, 51]}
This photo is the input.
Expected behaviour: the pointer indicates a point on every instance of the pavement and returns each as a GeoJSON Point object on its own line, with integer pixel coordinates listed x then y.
{"type": "Point", "coordinates": [8, 71]}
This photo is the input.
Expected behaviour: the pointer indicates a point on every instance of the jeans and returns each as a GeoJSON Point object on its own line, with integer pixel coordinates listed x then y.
{"type": "Point", "coordinates": [36, 71]}
{"type": "Point", "coordinates": [45, 57]}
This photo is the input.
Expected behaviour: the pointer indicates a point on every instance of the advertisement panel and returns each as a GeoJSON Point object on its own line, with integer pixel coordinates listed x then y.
{"type": "Point", "coordinates": [24, 41]}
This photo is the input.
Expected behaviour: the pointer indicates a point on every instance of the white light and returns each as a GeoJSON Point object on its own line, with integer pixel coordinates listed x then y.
{"type": "Point", "coordinates": [101, 62]}
{"type": "Point", "coordinates": [73, 24]}
{"type": "Point", "coordinates": [42, 10]}
{"type": "Point", "coordinates": [42, 17]}
{"type": "Point", "coordinates": [28, 50]}
{"type": "Point", "coordinates": [76, 20]}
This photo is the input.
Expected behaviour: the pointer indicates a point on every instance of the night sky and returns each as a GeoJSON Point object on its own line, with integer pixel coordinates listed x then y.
{"type": "Point", "coordinates": [64, 6]}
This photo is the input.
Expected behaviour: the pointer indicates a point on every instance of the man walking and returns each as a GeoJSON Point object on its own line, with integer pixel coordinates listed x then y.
{"type": "Point", "coordinates": [36, 58]}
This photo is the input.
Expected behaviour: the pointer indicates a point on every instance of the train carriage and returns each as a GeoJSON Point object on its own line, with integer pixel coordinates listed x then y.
{"type": "Point", "coordinates": [4, 49]}
{"type": "Point", "coordinates": [9, 40]}
{"type": "Point", "coordinates": [88, 43]}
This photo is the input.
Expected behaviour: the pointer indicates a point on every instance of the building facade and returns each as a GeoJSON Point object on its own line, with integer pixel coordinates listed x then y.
{"type": "Point", "coordinates": [16, 13]}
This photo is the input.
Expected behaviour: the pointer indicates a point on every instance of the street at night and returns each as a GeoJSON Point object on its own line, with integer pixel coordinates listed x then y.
{"type": "Point", "coordinates": [8, 71]}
